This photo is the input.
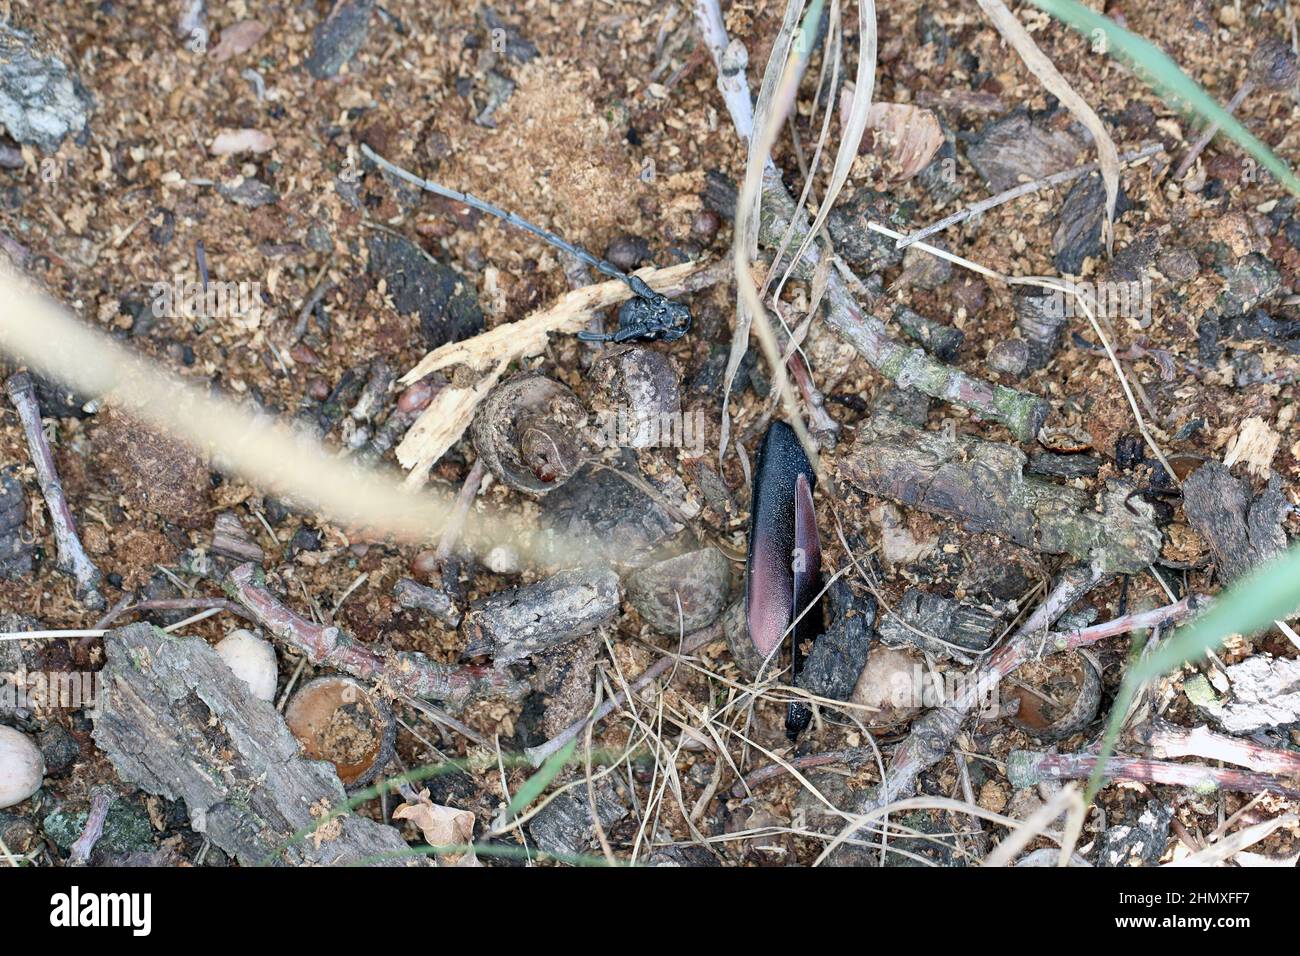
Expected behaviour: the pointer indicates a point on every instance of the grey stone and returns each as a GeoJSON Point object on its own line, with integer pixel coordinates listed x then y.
{"type": "Point", "coordinates": [339, 36]}
{"type": "Point", "coordinates": [41, 100]}
{"type": "Point", "coordinates": [1009, 357]}
{"type": "Point", "coordinates": [698, 578]}
{"type": "Point", "coordinates": [443, 298]}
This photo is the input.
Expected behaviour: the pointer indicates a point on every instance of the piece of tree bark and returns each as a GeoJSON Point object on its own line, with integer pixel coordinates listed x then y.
{"type": "Point", "coordinates": [1241, 532]}
{"type": "Point", "coordinates": [230, 540]}
{"type": "Point", "coordinates": [983, 483]}
{"type": "Point", "coordinates": [516, 623]}
{"type": "Point", "coordinates": [942, 623]}
{"type": "Point", "coordinates": [566, 825]}
{"type": "Point", "coordinates": [176, 721]}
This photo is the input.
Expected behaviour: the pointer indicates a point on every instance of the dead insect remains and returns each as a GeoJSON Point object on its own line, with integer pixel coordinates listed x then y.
{"type": "Point", "coordinates": [648, 315]}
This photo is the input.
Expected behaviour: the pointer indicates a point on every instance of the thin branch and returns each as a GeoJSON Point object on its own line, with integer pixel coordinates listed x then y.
{"type": "Point", "coordinates": [849, 756]}
{"type": "Point", "coordinates": [72, 558]}
{"type": "Point", "coordinates": [1166, 740]}
{"type": "Point", "coordinates": [1027, 768]}
{"type": "Point", "coordinates": [101, 800]}
{"type": "Point", "coordinates": [399, 672]}
{"type": "Point", "coordinates": [1015, 192]}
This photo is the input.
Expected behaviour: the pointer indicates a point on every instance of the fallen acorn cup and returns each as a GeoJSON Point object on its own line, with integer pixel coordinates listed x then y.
{"type": "Point", "coordinates": [1058, 696]}
{"type": "Point", "coordinates": [340, 720]}
{"type": "Point", "coordinates": [783, 573]}
{"type": "Point", "coordinates": [527, 432]}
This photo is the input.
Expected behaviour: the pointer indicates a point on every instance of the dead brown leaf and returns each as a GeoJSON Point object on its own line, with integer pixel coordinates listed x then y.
{"type": "Point", "coordinates": [442, 827]}
{"type": "Point", "coordinates": [238, 38]}
{"type": "Point", "coordinates": [907, 136]}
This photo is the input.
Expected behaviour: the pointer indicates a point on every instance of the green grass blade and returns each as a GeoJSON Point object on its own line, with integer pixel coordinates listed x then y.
{"type": "Point", "coordinates": [1271, 592]}
{"type": "Point", "coordinates": [488, 849]}
{"type": "Point", "coordinates": [1162, 74]}
{"type": "Point", "coordinates": [538, 782]}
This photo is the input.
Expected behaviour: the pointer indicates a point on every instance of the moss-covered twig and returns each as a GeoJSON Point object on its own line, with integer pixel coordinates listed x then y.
{"type": "Point", "coordinates": [400, 672]}
{"type": "Point", "coordinates": [1022, 414]}
{"type": "Point", "coordinates": [983, 484]}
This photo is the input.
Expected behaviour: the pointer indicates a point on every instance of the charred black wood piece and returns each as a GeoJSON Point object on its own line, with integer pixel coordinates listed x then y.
{"type": "Point", "coordinates": [838, 656]}
{"type": "Point", "coordinates": [948, 629]}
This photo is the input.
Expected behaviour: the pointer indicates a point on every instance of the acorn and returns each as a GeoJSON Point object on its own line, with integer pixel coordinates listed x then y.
{"type": "Point", "coordinates": [340, 720]}
{"type": "Point", "coordinates": [253, 661]}
{"type": "Point", "coordinates": [22, 768]}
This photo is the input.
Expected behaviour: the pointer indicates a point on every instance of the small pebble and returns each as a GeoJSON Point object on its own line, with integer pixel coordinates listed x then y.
{"type": "Point", "coordinates": [437, 146]}
{"type": "Point", "coordinates": [1010, 357]}
{"type": "Point", "coordinates": [925, 269]}
{"type": "Point", "coordinates": [416, 397]}
{"type": "Point", "coordinates": [971, 294]}
{"type": "Point", "coordinates": [252, 660]}
{"type": "Point", "coordinates": [425, 564]}
{"type": "Point", "coordinates": [303, 354]}
{"type": "Point", "coordinates": [705, 225]}
{"type": "Point", "coordinates": [305, 539]}
{"type": "Point", "coordinates": [22, 768]}
{"type": "Point", "coordinates": [1178, 264]}
{"type": "Point", "coordinates": [318, 389]}
{"type": "Point", "coordinates": [627, 252]}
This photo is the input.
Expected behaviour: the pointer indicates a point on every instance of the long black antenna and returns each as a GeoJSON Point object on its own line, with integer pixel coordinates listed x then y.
{"type": "Point", "coordinates": [600, 265]}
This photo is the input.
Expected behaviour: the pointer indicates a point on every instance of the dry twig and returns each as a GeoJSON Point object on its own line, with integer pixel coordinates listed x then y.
{"type": "Point", "coordinates": [72, 560]}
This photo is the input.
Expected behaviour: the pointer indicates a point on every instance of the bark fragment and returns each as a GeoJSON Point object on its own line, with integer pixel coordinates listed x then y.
{"type": "Point", "coordinates": [837, 658]}
{"type": "Point", "coordinates": [941, 623]}
{"type": "Point", "coordinates": [176, 721]}
{"type": "Point", "coordinates": [565, 825]}
{"type": "Point", "coordinates": [519, 622]}
{"type": "Point", "coordinates": [983, 484]}
{"type": "Point", "coordinates": [1241, 532]}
